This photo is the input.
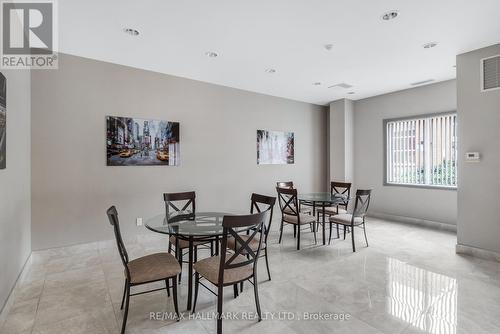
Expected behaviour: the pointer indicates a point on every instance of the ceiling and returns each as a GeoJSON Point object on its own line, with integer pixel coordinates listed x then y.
{"type": "Point", "coordinates": [250, 36]}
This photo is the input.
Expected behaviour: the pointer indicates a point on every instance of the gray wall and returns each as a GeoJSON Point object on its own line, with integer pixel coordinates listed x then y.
{"type": "Point", "coordinates": [72, 187]}
{"type": "Point", "coordinates": [15, 198]}
{"type": "Point", "coordinates": [479, 124]}
{"type": "Point", "coordinates": [341, 140]}
{"type": "Point", "coordinates": [421, 204]}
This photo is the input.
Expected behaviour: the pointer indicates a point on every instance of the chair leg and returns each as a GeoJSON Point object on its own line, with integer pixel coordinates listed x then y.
{"type": "Point", "coordinates": [241, 286]}
{"type": "Point", "coordinates": [298, 235]}
{"type": "Point", "coordinates": [195, 254]}
{"type": "Point", "coordinates": [364, 230]}
{"type": "Point", "coordinates": [167, 287]}
{"type": "Point", "coordinates": [314, 233]}
{"type": "Point", "coordinates": [211, 248]}
{"type": "Point", "coordinates": [235, 289]}
{"type": "Point", "coordinates": [353, 245]}
{"type": "Point", "coordinates": [125, 313]}
{"type": "Point", "coordinates": [294, 231]}
{"type": "Point", "coordinates": [338, 234]}
{"type": "Point", "coordinates": [178, 255]}
{"type": "Point", "coordinates": [344, 231]}
{"type": "Point", "coordinates": [281, 232]}
{"type": "Point", "coordinates": [256, 293]}
{"type": "Point", "coordinates": [124, 293]}
{"type": "Point", "coordinates": [196, 286]}
{"type": "Point", "coordinates": [330, 236]}
{"type": "Point", "coordinates": [174, 292]}
{"type": "Point", "coordinates": [267, 266]}
{"type": "Point", "coordinates": [220, 296]}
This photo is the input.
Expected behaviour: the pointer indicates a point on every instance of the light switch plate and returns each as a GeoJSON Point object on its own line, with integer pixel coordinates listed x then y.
{"type": "Point", "coordinates": [138, 221]}
{"type": "Point", "coordinates": [472, 157]}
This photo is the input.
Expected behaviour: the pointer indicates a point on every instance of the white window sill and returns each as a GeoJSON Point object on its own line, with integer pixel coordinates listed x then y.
{"type": "Point", "coordinates": [421, 186]}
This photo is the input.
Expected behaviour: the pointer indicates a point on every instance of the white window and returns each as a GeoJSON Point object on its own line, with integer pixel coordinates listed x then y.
{"type": "Point", "coordinates": [422, 151]}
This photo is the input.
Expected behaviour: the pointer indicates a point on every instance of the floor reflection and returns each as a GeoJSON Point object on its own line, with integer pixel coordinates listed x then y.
{"type": "Point", "coordinates": [411, 291]}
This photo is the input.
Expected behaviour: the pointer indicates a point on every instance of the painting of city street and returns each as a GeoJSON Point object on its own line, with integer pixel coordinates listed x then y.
{"type": "Point", "coordinates": [141, 142]}
{"type": "Point", "coordinates": [275, 147]}
{"type": "Point", "coordinates": [3, 121]}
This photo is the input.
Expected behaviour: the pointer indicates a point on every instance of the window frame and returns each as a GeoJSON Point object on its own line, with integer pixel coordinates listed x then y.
{"type": "Point", "coordinates": [406, 118]}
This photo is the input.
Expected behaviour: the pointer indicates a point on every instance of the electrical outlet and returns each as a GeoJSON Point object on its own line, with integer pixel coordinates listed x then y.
{"type": "Point", "coordinates": [138, 221]}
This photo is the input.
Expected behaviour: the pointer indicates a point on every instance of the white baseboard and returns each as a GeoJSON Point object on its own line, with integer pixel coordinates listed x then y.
{"type": "Point", "coordinates": [415, 221]}
{"type": "Point", "coordinates": [477, 252]}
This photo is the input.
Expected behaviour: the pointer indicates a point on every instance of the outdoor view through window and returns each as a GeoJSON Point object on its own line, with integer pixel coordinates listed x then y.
{"type": "Point", "coordinates": [422, 151]}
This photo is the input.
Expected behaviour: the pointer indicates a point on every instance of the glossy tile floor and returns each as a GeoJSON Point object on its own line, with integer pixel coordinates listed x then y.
{"type": "Point", "coordinates": [408, 281]}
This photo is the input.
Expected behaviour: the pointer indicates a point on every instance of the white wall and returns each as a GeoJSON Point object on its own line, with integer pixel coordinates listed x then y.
{"type": "Point", "coordinates": [478, 130]}
{"type": "Point", "coordinates": [15, 203]}
{"type": "Point", "coordinates": [72, 186]}
{"type": "Point", "coordinates": [421, 204]}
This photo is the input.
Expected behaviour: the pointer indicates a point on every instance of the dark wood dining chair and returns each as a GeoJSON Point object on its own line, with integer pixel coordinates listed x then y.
{"type": "Point", "coordinates": [289, 185]}
{"type": "Point", "coordinates": [179, 205]}
{"type": "Point", "coordinates": [290, 214]}
{"type": "Point", "coordinates": [357, 217]}
{"type": "Point", "coordinates": [143, 270]}
{"type": "Point", "coordinates": [337, 188]}
{"type": "Point", "coordinates": [259, 203]}
{"type": "Point", "coordinates": [233, 267]}
{"type": "Point", "coordinates": [286, 184]}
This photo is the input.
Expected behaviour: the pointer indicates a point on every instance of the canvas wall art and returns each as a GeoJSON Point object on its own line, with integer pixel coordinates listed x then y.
{"type": "Point", "coordinates": [275, 147]}
{"type": "Point", "coordinates": [3, 121]}
{"type": "Point", "coordinates": [142, 142]}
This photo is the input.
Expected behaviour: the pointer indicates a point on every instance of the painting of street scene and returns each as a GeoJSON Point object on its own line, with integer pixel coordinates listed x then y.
{"type": "Point", "coordinates": [3, 121]}
{"type": "Point", "coordinates": [141, 142]}
{"type": "Point", "coordinates": [275, 147]}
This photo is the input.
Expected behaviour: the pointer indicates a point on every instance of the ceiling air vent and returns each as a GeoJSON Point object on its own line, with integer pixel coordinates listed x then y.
{"type": "Point", "coordinates": [419, 83]}
{"type": "Point", "coordinates": [490, 73]}
{"type": "Point", "coordinates": [341, 85]}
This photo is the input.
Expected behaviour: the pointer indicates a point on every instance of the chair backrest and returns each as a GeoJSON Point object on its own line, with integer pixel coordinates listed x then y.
{"type": "Point", "coordinates": [362, 203]}
{"type": "Point", "coordinates": [286, 185]}
{"type": "Point", "coordinates": [288, 201]}
{"type": "Point", "coordinates": [254, 222]}
{"type": "Point", "coordinates": [177, 204]}
{"type": "Point", "coordinates": [261, 203]}
{"type": "Point", "coordinates": [341, 188]}
{"type": "Point", "coordinates": [113, 220]}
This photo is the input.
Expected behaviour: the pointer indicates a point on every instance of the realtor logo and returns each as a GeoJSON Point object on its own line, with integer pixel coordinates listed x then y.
{"type": "Point", "coordinates": [29, 39]}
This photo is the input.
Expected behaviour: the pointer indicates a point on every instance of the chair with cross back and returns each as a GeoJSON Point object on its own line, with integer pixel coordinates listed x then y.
{"type": "Point", "coordinates": [233, 266]}
{"type": "Point", "coordinates": [290, 213]}
{"type": "Point", "coordinates": [358, 217]}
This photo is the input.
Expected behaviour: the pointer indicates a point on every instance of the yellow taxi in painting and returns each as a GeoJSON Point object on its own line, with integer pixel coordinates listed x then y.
{"type": "Point", "coordinates": [126, 153]}
{"type": "Point", "coordinates": [162, 155]}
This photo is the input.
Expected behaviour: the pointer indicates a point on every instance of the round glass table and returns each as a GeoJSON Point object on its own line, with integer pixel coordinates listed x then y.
{"type": "Point", "coordinates": [186, 225]}
{"type": "Point", "coordinates": [201, 226]}
{"type": "Point", "coordinates": [322, 200]}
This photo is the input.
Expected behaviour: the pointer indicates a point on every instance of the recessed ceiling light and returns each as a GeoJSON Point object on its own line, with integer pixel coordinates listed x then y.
{"type": "Point", "coordinates": [270, 70]}
{"type": "Point", "coordinates": [430, 45]}
{"type": "Point", "coordinates": [131, 32]}
{"type": "Point", "coordinates": [341, 85]}
{"type": "Point", "coordinates": [317, 83]}
{"type": "Point", "coordinates": [211, 54]}
{"type": "Point", "coordinates": [328, 47]}
{"type": "Point", "coordinates": [390, 15]}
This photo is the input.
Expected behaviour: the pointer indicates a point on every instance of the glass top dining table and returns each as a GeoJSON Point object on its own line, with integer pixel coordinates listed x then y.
{"type": "Point", "coordinates": [201, 226]}
{"type": "Point", "coordinates": [322, 200]}
{"type": "Point", "coordinates": [187, 224]}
